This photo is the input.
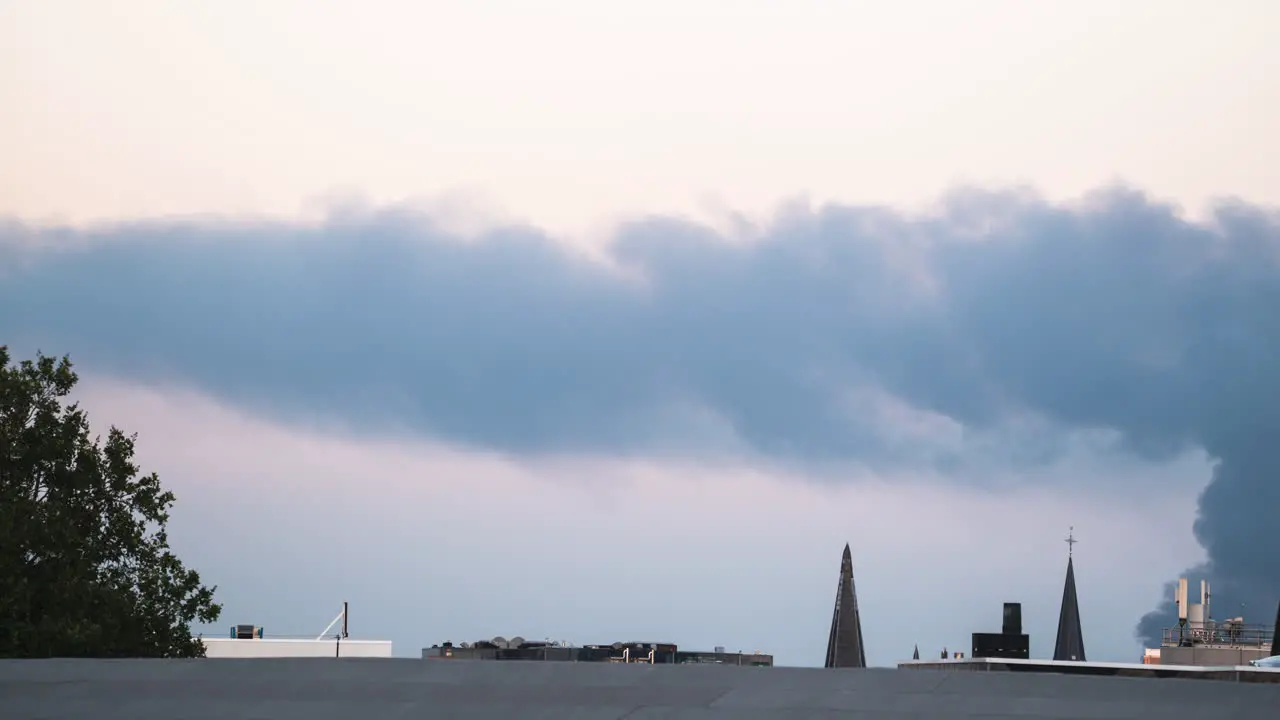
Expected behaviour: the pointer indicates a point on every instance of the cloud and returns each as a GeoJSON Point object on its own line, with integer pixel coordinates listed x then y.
{"type": "Point", "coordinates": [994, 336]}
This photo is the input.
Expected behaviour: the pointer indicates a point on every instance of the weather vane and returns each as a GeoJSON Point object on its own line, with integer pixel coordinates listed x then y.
{"type": "Point", "coordinates": [1071, 540]}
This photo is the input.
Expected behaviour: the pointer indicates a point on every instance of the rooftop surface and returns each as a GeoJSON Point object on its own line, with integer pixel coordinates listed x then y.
{"type": "Point", "coordinates": [370, 689]}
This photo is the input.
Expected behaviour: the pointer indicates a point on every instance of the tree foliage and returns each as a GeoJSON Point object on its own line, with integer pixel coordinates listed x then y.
{"type": "Point", "coordinates": [85, 564]}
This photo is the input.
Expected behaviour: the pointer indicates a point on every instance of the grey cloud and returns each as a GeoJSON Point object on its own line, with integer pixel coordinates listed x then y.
{"type": "Point", "coordinates": [1111, 314]}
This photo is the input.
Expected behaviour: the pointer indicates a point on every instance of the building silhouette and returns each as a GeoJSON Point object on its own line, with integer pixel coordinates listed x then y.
{"type": "Point", "coordinates": [1070, 644]}
{"type": "Point", "coordinates": [844, 645]}
{"type": "Point", "coordinates": [1010, 642]}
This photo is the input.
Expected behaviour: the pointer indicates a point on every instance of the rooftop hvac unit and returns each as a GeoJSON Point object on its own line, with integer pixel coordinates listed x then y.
{"type": "Point", "coordinates": [246, 632]}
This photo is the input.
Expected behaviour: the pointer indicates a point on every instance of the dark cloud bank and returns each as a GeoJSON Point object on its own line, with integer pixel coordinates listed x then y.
{"type": "Point", "coordinates": [1113, 313]}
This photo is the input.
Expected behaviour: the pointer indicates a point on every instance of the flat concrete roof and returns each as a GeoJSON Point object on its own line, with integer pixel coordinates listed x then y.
{"type": "Point", "coordinates": [373, 688]}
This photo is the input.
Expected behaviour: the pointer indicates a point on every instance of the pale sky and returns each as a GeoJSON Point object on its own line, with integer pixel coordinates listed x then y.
{"type": "Point", "coordinates": [568, 112]}
{"type": "Point", "coordinates": [430, 544]}
{"type": "Point", "coordinates": [948, 366]}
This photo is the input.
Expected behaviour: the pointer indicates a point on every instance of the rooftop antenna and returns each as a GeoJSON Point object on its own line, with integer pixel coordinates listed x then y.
{"type": "Point", "coordinates": [1071, 541]}
{"type": "Point", "coordinates": [1206, 596]}
{"type": "Point", "coordinates": [1180, 598]}
{"type": "Point", "coordinates": [341, 616]}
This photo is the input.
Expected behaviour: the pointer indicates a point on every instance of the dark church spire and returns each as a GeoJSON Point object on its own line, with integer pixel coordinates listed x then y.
{"type": "Point", "coordinates": [844, 645]}
{"type": "Point", "coordinates": [915, 655]}
{"type": "Point", "coordinates": [1070, 645]}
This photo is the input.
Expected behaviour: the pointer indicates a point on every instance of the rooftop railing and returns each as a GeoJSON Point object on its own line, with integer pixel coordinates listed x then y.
{"type": "Point", "coordinates": [1218, 634]}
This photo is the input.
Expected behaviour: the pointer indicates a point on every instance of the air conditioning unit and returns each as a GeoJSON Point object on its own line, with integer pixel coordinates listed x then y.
{"type": "Point", "coordinates": [246, 632]}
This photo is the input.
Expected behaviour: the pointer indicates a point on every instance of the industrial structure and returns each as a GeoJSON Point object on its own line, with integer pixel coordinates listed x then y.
{"type": "Point", "coordinates": [844, 644]}
{"type": "Point", "coordinates": [1199, 640]}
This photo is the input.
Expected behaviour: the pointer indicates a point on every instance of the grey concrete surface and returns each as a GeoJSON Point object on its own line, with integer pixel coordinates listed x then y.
{"type": "Point", "coordinates": [372, 689]}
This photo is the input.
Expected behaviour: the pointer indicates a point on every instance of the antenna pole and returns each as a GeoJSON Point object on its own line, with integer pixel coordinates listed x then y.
{"type": "Point", "coordinates": [344, 619]}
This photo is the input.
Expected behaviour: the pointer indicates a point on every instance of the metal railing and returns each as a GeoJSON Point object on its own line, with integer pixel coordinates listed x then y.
{"type": "Point", "coordinates": [625, 657]}
{"type": "Point", "coordinates": [1218, 634]}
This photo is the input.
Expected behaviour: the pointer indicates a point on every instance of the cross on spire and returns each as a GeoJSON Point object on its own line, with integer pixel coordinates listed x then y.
{"type": "Point", "coordinates": [1070, 643]}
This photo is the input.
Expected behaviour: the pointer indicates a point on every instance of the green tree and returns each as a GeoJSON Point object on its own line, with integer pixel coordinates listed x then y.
{"type": "Point", "coordinates": [85, 564]}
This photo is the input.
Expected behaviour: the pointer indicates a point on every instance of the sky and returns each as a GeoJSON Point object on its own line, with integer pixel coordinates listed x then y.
{"type": "Point", "coordinates": [616, 321]}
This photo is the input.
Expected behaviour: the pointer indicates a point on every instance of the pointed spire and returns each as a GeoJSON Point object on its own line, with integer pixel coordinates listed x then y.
{"type": "Point", "coordinates": [915, 655]}
{"type": "Point", "coordinates": [1275, 634]}
{"type": "Point", "coordinates": [1070, 645]}
{"type": "Point", "coordinates": [844, 644]}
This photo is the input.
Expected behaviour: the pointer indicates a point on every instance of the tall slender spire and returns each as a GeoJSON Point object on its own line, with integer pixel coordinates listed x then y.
{"type": "Point", "coordinates": [915, 654]}
{"type": "Point", "coordinates": [844, 645]}
{"type": "Point", "coordinates": [1070, 645]}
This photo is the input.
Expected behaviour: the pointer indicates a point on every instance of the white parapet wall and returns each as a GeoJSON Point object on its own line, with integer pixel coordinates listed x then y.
{"type": "Point", "coordinates": [280, 647]}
